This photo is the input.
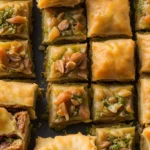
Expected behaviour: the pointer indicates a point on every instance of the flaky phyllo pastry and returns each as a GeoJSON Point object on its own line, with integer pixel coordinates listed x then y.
{"type": "Point", "coordinates": [143, 43]}
{"type": "Point", "coordinates": [68, 104]}
{"type": "Point", "coordinates": [16, 59]}
{"type": "Point", "coordinates": [15, 95]}
{"type": "Point", "coordinates": [57, 3]}
{"type": "Point", "coordinates": [14, 130]}
{"type": "Point", "coordinates": [68, 142]}
{"type": "Point", "coordinates": [66, 62]}
{"type": "Point", "coordinates": [108, 18]}
{"type": "Point", "coordinates": [143, 100]}
{"type": "Point", "coordinates": [142, 19]}
{"type": "Point", "coordinates": [15, 18]}
{"type": "Point", "coordinates": [115, 138]}
{"type": "Point", "coordinates": [113, 60]}
{"type": "Point", "coordinates": [145, 139]}
{"type": "Point", "coordinates": [61, 24]}
{"type": "Point", "coordinates": [112, 103]}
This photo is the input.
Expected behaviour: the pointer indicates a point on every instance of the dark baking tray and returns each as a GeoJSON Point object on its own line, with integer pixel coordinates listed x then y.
{"type": "Point", "coordinates": [40, 126]}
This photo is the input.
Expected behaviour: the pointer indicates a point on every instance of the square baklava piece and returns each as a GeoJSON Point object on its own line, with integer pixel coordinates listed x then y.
{"type": "Point", "coordinates": [143, 43]}
{"type": "Point", "coordinates": [108, 18]}
{"type": "Point", "coordinates": [145, 139]}
{"type": "Point", "coordinates": [144, 100]}
{"type": "Point", "coordinates": [67, 142]}
{"type": "Point", "coordinates": [15, 94]}
{"type": "Point", "coordinates": [16, 59]}
{"type": "Point", "coordinates": [142, 15]}
{"type": "Point", "coordinates": [63, 25]}
{"type": "Point", "coordinates": [57, 3]}
{"type": "Point", "coordinates": [113, 60]}
{"type": "Point", "coordinates": [15, 19]}
{"type": "Point", "coordinates": [66, 62]}
{"type": "Point", "coordinates": [121, 138]}
{"type": "Point", "coordinates": [14, 130]}
{"type": "Point", "coordinates": [68, 104]}
{"type": "Point", "coordinates": [112, 103]}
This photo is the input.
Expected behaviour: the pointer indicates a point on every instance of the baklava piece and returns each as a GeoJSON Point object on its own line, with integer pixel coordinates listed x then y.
{"type": "Point", "coordinates": [113, 60]}
{"type": "Point", "coordinates": [14, 130]}
{"type": "Point", "coordinates": [61, 25]}
{"type": "Point", "coordinates": [108, 18]}
{"type": "Point", "coordinates": [16, 59]}
{"type": "Point", "coordinates": [144, 100]}
{"type": "Point", "coordinates": [57, 3]}
{"type": "Point", "coordinates": [145, 139]}
{"type": "Point", "coordinates": [15, 19]}
{"type": "Point", "coordinates": [19, 95]}
{"type": "Point", "coordinates": [115, 138]}
{"type": "Point", "coordinates": [112, 103]}
{"type": "Point", "coordinates": [142, 19]}
{"type": "Point", "coordinates": [66, 62]}
{"type": "Point", "coordinates": [143, 42]}
{"type": "Point", "coordinates": [68, 104]}
{"type": "Point", "coordinates": [67, 142]}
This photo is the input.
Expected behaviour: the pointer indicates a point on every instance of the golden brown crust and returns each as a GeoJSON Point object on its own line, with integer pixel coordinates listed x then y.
{"type": "Point", "coordinates": [73, 142]}
{"type": "Point", "coordinates": [143, 41]}
{"type": "Point", "coordinates": [143, 103]}
{"type": "Point", "coordinates": [57, 3]}
{"type": "Point", "coordinates": [145, 139]}
{"type": "Point", "coordinates": [108, 18]}
{"type": "Point", "coordinates": [113, 60]}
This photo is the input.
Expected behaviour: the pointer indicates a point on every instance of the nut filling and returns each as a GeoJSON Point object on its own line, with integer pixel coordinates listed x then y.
{"type": "Point", "coordinates": [72, 62]}
{"type": "Point", "coordinates": [67, 24]}
{"type": "Point", "coordinates": [117, 143]}
{"type": "Point", "coordinates": [143, 14]}
{"type": "Point", "coordinates": [117, 105]}
{"type": "Point", "coordinates": [13, 19]}
{"type": "Point", "coordinates": [12, 143]}
{"type": "Point", "coordinates": [15, 59]}
{"type": "Point", "coordinates": [70, 104]}
{"type": "Point", "coordinates": [21, 120]}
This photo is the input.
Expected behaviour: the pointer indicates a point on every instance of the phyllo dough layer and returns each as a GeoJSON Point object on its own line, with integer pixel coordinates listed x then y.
{"type": "Point", "coordinates": [143, 42]}
{"type": "Point", "coordinates": [66, 62]}
{"type": "Point", "coordinates": [68, 104]}
{"type": "Point", "coordinates": [18, 95]}
{"type": "Point", "coordinates": [108, 18]}
{"type": "Point", "coordinates": [113, 60]}
{"type": "Point", "coordinates": [15, 19]}
{"type": "Point", "coordinates": [68, 142]}
{"type": "Point", "coordinates": [142, 19]}
{"type": "Point", "coordinates": [112, 103]}
{"type": "Point", "coordinates": [145, 139]}
{"type": "Point", "coordinates": [14, 130]}
{"type": "Point", "coordinates": [61, 25]}
{"type": "Point", "coordinates": [57, 3]}
{"type": "Point", "coordinates": [144, 100]}
{"type": "Point", "coordinates": [16, 59]}
{"type": "Point", "coordinates": [115, 138]}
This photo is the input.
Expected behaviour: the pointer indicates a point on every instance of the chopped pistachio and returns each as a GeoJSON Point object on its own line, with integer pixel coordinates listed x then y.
{"type": "Point", "coordinates": [4, 15]}
{"type": "Point", "coordinates": [119, 142]}
{"type": "Point", "coordinates": [9, 140]}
